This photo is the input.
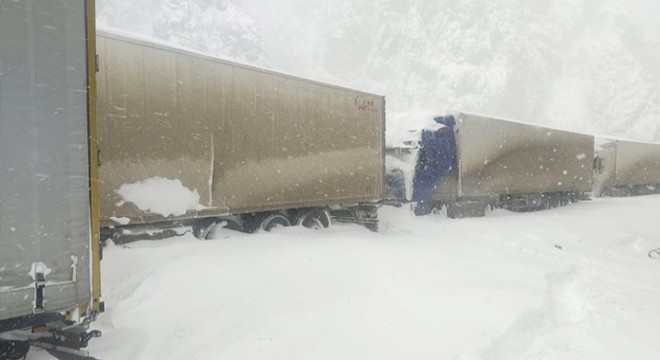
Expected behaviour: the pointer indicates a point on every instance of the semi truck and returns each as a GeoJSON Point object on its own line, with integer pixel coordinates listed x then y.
{"type": "Point", "coordinates": [467, 163]}
{"type": "Point", "coordinates": [626, 168]}
{"type": "Point", "coordinates": [252, 148]}
{"type": "Point", "coordinates": [49, 249]}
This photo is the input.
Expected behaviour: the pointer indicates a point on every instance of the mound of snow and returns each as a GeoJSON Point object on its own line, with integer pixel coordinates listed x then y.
{"type": "Point", "coordinates": [161, 196]}
{"type": "Point", "coordinates": [496, 287]}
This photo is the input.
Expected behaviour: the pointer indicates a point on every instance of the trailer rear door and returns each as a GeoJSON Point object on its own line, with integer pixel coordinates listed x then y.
{"type": "Point", "coordinates": [44, 168]}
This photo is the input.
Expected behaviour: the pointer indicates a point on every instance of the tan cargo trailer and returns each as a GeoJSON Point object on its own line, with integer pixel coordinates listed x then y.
{"type": "Point", "coordinates": [505, 157]}
{"type": "Point", "coordinates": [514, 165]}
{"type": "Point", "coordinates": [466, 162]}
{"type": "Point", "coordinates": [258, 147]}
{"type": "Point", "coordinates": [624, 168]}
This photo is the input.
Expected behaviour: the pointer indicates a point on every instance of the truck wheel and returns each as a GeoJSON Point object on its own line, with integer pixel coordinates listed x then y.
{"type": "Point", "coordinates": [204, 229]}
{"type": "Point", "coordinates": [316, 219]}
{"type": "Point", "coordinates": [272, 221]}
{"type": "Point", "coordinates": [545, 204]}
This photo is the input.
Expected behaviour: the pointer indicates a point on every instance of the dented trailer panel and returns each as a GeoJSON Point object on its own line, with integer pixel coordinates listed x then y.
{"type": "Point", "coordinates": [246, 139]}
{"type": "Point", "coordinates": [45, 230]}
{"type": "Point", "coordinates": [505, 157]}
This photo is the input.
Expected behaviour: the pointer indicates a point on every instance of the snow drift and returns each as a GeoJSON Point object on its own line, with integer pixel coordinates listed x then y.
{"type": "Point", "coordinates": [570, 283]}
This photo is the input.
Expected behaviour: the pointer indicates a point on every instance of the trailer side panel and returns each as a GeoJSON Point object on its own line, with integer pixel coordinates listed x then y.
{"type": "Point", "coordinates": [247, 139]}
{"type": "Point", "coordinates": [504, 157]}
{"type": "Point", "coordinates": [637, 163]}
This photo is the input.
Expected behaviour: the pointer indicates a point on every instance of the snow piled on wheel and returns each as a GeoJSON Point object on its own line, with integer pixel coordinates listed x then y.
{"type": "Point", "coordinates": [569, 283]}
{"type": "Point", "coordinates": [160, 196]}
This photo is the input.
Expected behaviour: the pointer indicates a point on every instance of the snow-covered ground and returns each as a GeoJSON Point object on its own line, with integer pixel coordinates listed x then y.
{"type": "Point", "coordinates": [569, 283]}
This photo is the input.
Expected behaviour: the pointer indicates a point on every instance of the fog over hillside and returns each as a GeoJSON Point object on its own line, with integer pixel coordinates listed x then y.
{"type": "Point", "coordinates": [582, 65]}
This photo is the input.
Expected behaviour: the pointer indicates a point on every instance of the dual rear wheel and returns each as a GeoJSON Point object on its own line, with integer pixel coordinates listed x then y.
{"type": "Point", "coordinates": [316, 219]}
{"type": "Point", "coordinates": [270, 222]}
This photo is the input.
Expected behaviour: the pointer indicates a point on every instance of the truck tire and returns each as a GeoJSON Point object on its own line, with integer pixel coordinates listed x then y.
{"type": "Point", "coordinates": [204, 229]}
{"type": "Point", "coordinates": [316, 219]}
{"type": "Point", "coordinates": [272, 221]}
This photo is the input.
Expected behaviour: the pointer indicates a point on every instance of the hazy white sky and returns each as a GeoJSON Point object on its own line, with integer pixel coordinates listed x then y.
{"type": "Point", "coordinates": [577, 64]}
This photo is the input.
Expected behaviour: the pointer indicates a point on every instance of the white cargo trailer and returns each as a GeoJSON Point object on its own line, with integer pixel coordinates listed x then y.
{"type": "Point", "coordinates": [49, 254]}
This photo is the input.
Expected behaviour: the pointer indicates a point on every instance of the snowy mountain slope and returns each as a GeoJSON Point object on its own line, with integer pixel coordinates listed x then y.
{"type": "Point", "coordinates": [569, 283]}
{"type": "Point", "coordinates": [215, 27]}
{"type": "Point", "coordinates": [582, 65]}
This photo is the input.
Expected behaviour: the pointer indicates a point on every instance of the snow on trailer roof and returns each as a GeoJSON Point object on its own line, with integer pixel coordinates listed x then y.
{"type": "Point", "coordinates": [603, 140]}
{"type": "Point", "coordinates": [519, 122]}
{"type": "Point", "coordinates": [404, 129]}
{"type": "Point", "coordinates": [155, 43]}
{"type": "Point", "coordinates": [599, 139]}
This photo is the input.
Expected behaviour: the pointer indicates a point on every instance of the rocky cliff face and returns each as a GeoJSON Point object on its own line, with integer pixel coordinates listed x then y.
{"type": "Point", "coordinates": [581, 65]}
